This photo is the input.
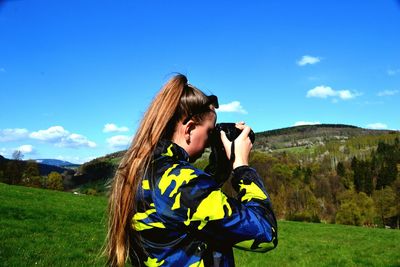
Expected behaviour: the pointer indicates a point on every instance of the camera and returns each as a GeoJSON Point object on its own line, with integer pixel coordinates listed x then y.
{"type": "Point", "coordinates": [231, 131]}
{"type": "Point", "coordinates": [220, 166]}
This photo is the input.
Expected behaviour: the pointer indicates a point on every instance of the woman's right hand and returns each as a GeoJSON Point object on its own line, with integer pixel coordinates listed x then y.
{"type": "Point", "coordinates": [242, 146]}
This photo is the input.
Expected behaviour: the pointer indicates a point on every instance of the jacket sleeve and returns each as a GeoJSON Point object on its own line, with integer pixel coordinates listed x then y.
{"type": "Point", "coordinates": [246, 222]}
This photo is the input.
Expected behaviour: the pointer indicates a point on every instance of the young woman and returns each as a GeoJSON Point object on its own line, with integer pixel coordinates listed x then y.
{"type": "Point", "coordinates": [165, 212]}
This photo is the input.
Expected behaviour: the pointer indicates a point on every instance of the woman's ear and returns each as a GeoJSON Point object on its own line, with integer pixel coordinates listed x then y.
{"type": "Point", "coordinates": [189, 127]}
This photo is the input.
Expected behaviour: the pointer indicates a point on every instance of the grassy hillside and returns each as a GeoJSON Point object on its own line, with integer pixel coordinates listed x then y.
{"type": "Point", "coordinates": [311, 135]}
{"type": "Point", "coordinates": [48, 228]}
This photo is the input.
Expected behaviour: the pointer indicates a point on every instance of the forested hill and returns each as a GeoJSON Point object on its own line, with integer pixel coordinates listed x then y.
{"type": "Point", "coordinates": [310, 128]}
{"type": "Point", "coordinates": [310, 135]}
{"type": "Point", "coordinates": [44, 169]}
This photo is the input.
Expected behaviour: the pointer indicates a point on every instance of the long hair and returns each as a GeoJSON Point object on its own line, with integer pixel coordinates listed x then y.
{"type": "Point", "coordinates": [175, 100]}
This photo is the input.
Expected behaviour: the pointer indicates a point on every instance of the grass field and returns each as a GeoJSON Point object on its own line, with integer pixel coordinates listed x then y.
{"type": "Point", "coordinates": [49, 228]}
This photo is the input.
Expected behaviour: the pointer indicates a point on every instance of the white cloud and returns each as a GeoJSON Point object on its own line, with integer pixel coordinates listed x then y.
{"type": "Point", "coordinates": [76, 140]}
{"type": "Point", "coordinates": [346, 94]}
{"type": "Point", "coordinates": [7, 135]}
{"type": "Point", "coordinates": [326, 91]}
{"type": "Point", "coordinates": [392, 72]}
{"type": "Point", "coordinates": [388, 92]}
{"type": "Point", "coordinates": [321, 92]}
{"type": "Point", "coordinates": [308, 60]}
{"type": "Point", "coordinates": [232, 107]}
{"type": "Point", "coordinates": [111, 127]}
{"type": "Point", "coordinates": [60, 137]}
{"type": "Point", "coordinates": [119, 141]}
{"type": "Point", "coordinates": [377, 125]}
{"type": "Point", "coordinates": [26, 149]}
{"type": "Point", "coordinates": [299, 123]}
{"type": "Point", "coordinates": [53, 134]}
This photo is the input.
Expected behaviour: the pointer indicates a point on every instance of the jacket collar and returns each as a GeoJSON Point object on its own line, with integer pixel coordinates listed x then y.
{"type": "Point", "coordinates": [167, 148]}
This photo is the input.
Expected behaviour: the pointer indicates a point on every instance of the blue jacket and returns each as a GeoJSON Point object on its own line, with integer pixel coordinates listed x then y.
{"type": "Point", "coordinates": [184, 219]}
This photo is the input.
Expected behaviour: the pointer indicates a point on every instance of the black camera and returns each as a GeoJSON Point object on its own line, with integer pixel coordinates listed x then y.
{"type": "Point", "coordinates": [231, 131]}
{"type": "Point", "coordinates": [220, 166]}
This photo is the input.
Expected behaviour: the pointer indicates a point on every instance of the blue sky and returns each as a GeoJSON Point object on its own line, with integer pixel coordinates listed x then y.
{"type": "Point", "coordinates": [76, 76]}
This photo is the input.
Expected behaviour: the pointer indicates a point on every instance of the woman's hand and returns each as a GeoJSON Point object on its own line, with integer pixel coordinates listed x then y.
{"type": "Point", "coordinates": [242, 145]}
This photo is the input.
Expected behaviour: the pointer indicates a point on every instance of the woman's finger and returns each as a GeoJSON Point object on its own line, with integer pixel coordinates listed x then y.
{"type": "Point", "coordinates": [245, 132]}
{"type": "Point", "coordinates": [240, 125]}
{"type": "Point", "coordinates": [227, 144]}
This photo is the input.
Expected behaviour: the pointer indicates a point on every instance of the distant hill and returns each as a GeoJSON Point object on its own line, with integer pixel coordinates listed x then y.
{"type": "Point", "coordinates": [58, 163]}
{"type": "Point", "coordinates": [310, 135]}
{"type": "Point", "coordinates": [44, 169]}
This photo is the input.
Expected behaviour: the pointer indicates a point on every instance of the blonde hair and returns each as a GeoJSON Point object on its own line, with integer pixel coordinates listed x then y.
{"type": "Point", "coordinates": [175, 101]}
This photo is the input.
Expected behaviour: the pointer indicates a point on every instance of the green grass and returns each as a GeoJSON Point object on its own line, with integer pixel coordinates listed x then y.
{"type": "Point", "coordinates": [99, 187]}
{"type": "Point", "coordinates": [49, 228]}
{"type": "Point", "coordinates": [296, 150]}
{"type": "Point", "coordinates": [310, 244]}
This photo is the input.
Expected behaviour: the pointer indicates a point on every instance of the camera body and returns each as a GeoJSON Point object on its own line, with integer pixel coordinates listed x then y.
{"type": "Point", "coordinates": [220, 166]}
{"type": "Point", "coordinates": [231, 131]}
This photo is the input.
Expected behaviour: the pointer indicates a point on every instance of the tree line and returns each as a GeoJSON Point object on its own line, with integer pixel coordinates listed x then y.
{"type": "Point", "coordinates": [18, 172]}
